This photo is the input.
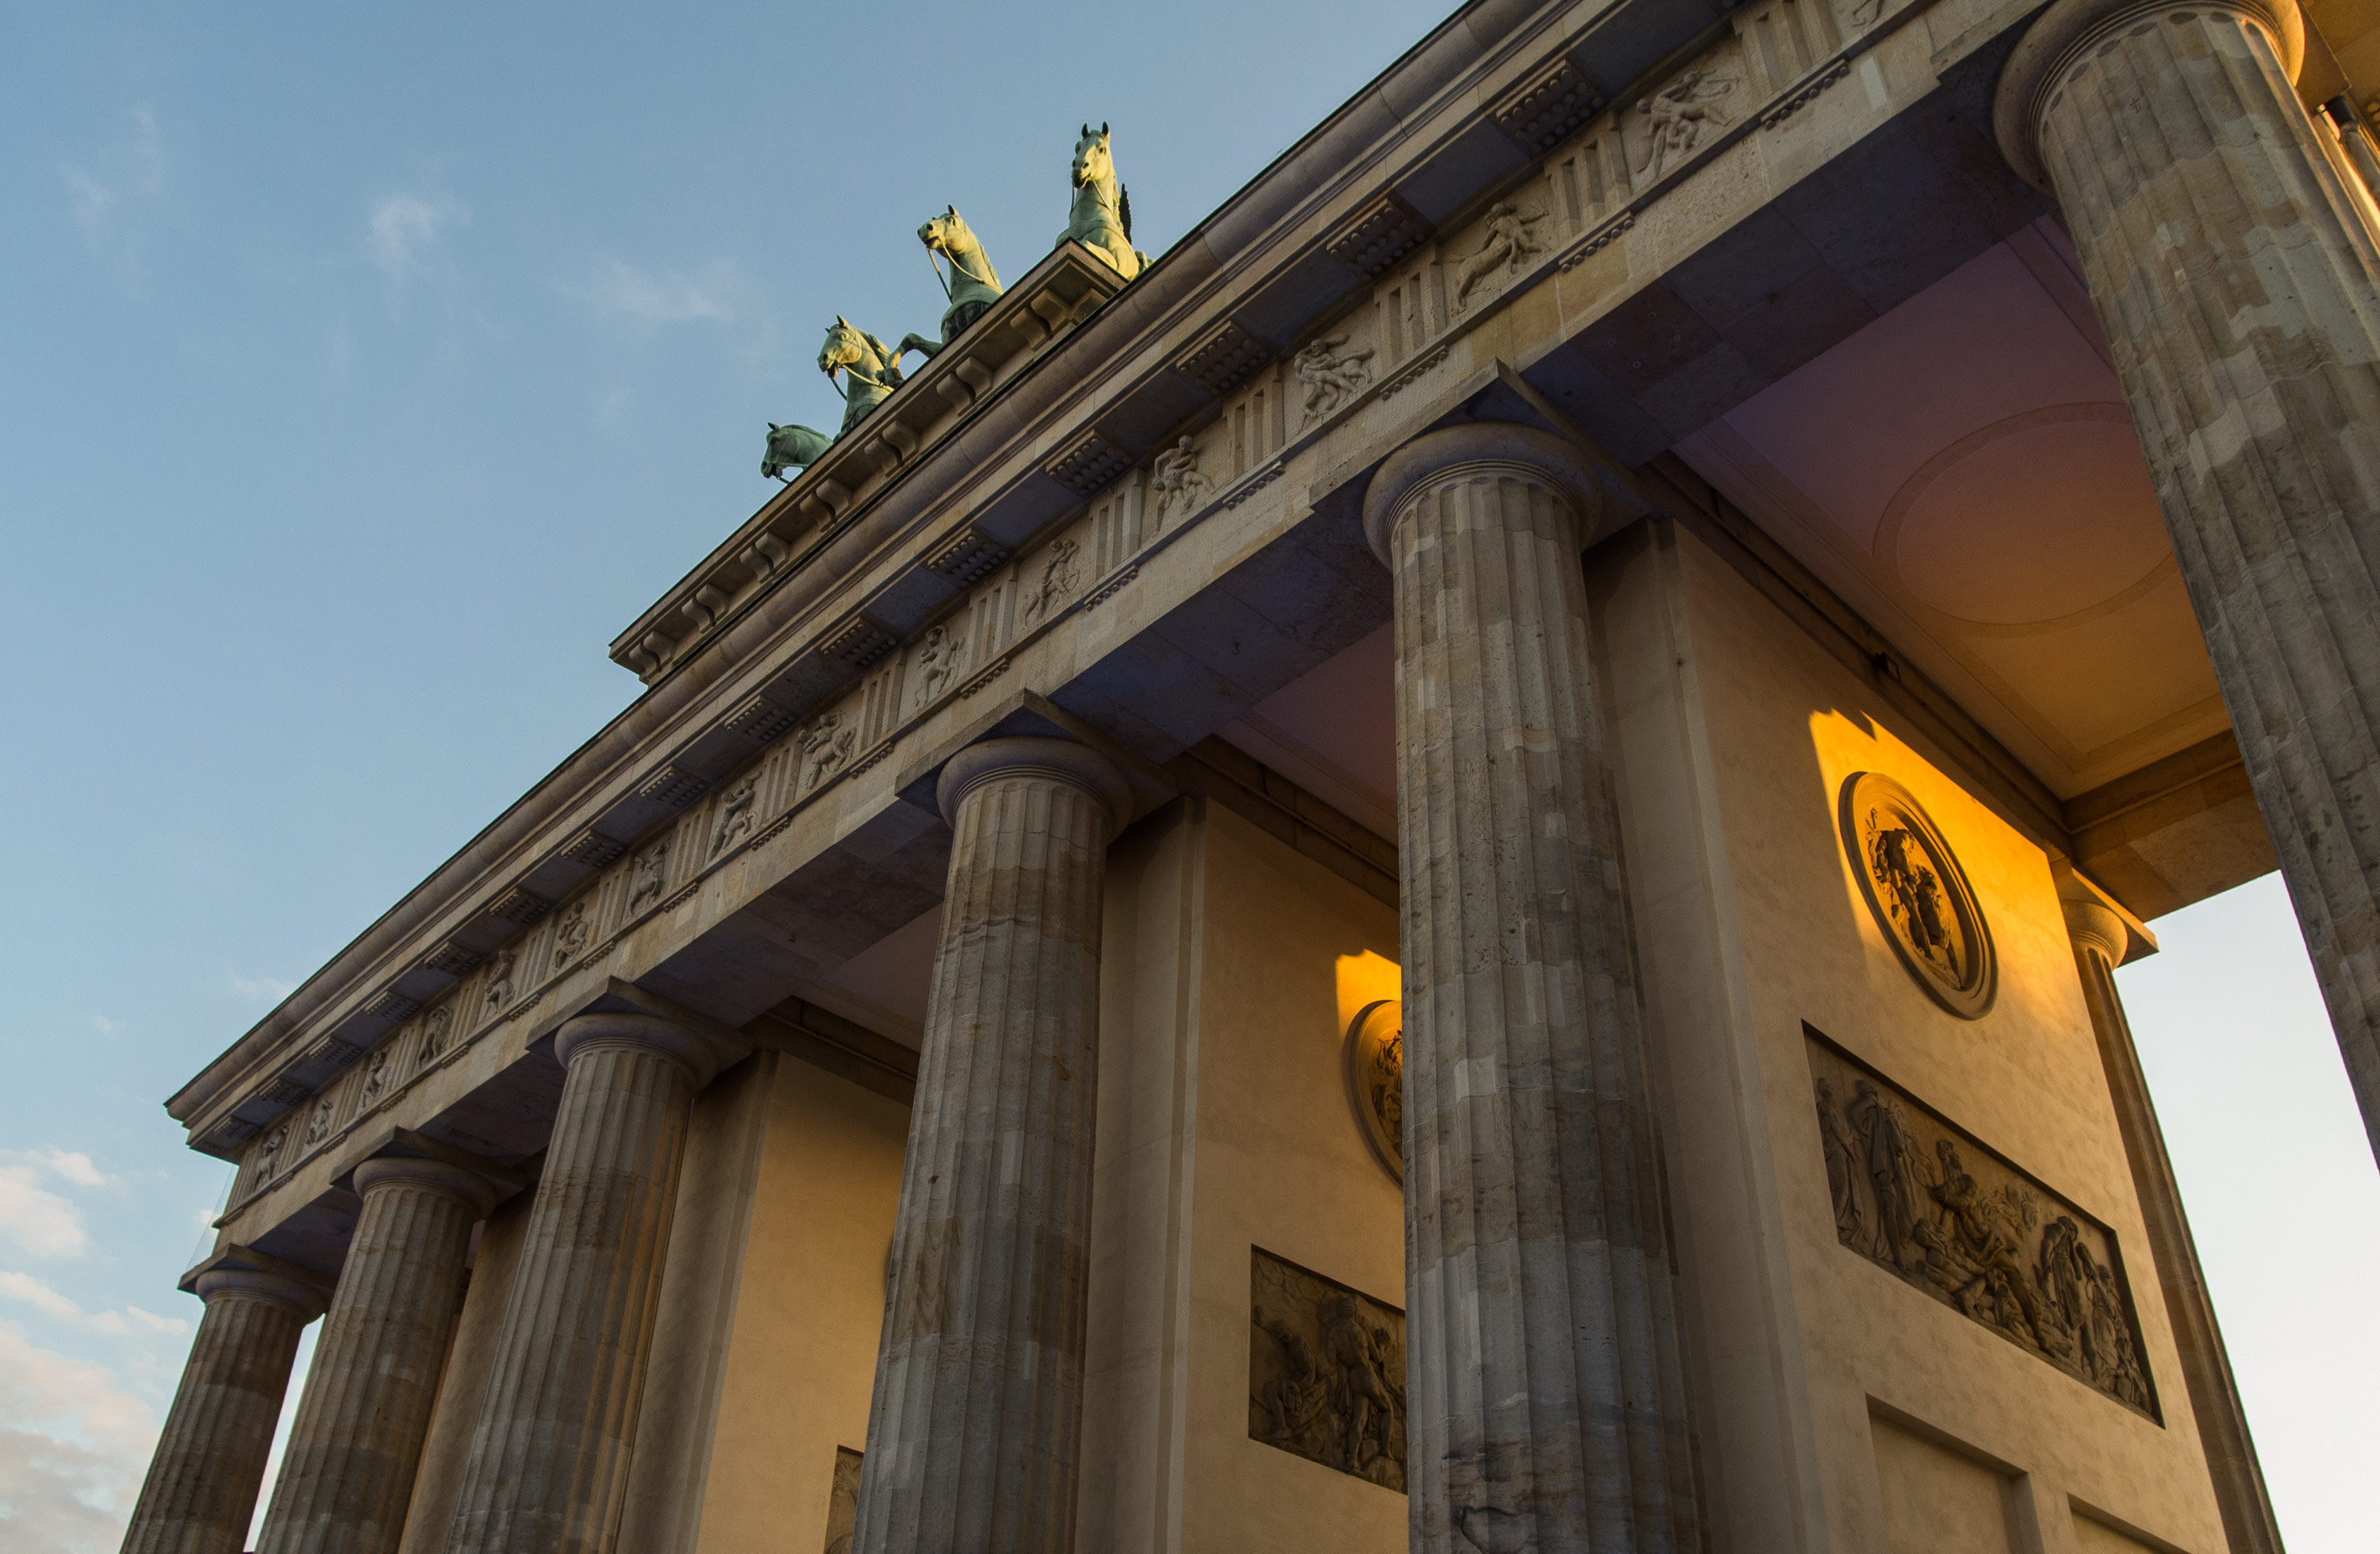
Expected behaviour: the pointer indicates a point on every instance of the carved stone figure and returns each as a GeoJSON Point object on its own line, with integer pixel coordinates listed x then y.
{"type": "Point", "coordinates": [972, 287]}
{"type": "Point", "coordinates": [792, 447]}
{"type": "Point", "coordinates": [735, 815]}
{"type": "Point", "coordinates": [317, 1123]}
{"type": "Point", "coordinates": [434, 1027]}
{"type": "Point", "coordinates": [652, 875]}
{"type": "Point", "coordinates": [1679, 111]}
{"type": "Point", "coordinates": [938, 660]}
{"type": "Point", "coordinates": [825, 746]}
{"type": "Point", "coordinates": [1972, 1231]}
{"type": "Point", "coordinates": [1508, 245]}
{"type": "Point", "coordinates": [1890, 1158]}
{"type": "Point", "coordinates": [1918, 894]}
{"type": "Point", "coordinates": [1058, 581]}
{"type": "Point", "coordinates": [1176, 479]}
{"type": "Point", "coordinates": [871, 365]}
{"type": "Point", "coordinates": [842, 1500]}
{"type": "Point", "coordinates": [1842, 1171]}
{"type": "Point", "coordinates": [374, 1082]}
{"type": "Point", "coordinates": [500, 980]}
{"type": "Point", "coordinates": [1330, 379]}
{"type": "Point", "coordinates": [1100, 218]}
{"type": "Point", "coordinates": [269, 1152]}
{"type": "Point", "coordinates": [572, 936]}
{"type": "Point", "coordinates": [1326, 1367]}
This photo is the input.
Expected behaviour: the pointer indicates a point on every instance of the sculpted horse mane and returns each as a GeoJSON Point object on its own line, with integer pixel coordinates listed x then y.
{"type": "Point", "coordinates": [974, 286]}
{"type": "Point", "coordinates": [871, 365]}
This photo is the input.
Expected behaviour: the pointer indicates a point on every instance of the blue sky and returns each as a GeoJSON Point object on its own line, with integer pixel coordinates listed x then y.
{"type": "Point", "coordinates": [366, 370]}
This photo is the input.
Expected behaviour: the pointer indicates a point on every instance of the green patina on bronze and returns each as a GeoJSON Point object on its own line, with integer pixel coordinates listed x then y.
{"type": "Point", "coordinates": [1101, 217]}
{"type": "Point", "coordinates": [871, 365]}
{"type": "Point", "coordinates": [974, 284]}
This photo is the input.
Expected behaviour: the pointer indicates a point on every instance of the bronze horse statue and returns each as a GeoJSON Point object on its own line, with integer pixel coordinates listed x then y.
{"type": "Point", "coordinates": [872, 366]}
{"type": "Point", "coordinates": [792, 447]}
{"type": "Point", "coordinates": [1100, 218]}
{"type": "Point", "coordinates": [972, 287]}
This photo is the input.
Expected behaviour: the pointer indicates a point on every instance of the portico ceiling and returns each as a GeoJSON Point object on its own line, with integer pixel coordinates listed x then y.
{"type": "Point", "coordinates": [1964, 472]}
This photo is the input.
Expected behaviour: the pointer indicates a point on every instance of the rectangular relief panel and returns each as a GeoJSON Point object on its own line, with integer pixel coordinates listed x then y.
{"type": "Point", "coordinates": [1326, 1371]}
{"type": "Point", "coordinates": [1917, 1195]}
{"type": "Point", "coordinates": [842, 1501]}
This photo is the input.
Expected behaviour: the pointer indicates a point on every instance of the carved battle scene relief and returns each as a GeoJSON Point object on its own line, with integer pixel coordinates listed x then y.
{"type": "Point", "coordinates": [1325, 1372]}
{"type": "Point", "coordinates": [1917, 1194]}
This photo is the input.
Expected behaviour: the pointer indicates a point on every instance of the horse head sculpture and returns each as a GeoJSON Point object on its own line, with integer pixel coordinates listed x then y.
{"type": "Point", "coordinates": [974, 284]}
{"type": "Point", "coordinates": [1101, 216]}
{"type": "Point", "coordinates": [792, 447]}
{"type": "Point", "coordinates": [868, 361]}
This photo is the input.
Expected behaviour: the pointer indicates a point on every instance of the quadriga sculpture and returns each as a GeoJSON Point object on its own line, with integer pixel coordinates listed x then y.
{"type": "Point", "coordinates": [974, 284]}
{"type": "Point", "coordinates": [1101, 216]}
{"type": "Point", "coordinates": [792, 447]}
{"type": "Point", "coordinates": [871, 364]}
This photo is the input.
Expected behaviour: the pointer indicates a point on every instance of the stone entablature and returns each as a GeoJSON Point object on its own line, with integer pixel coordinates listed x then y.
{"type": "Point", "coordinates": [925, 596]}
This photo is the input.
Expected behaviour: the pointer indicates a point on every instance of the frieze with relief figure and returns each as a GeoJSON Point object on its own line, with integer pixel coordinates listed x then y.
{"type": "Point", "coordinates": [1918, 894]}
{"type": "Point", "coordinates": [1326, 1371]}
{"type": "Point", "coordinates": [1917, 1194]}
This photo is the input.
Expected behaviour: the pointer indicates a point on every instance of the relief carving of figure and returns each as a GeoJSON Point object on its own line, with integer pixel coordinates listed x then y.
{"type": "Point", "coordinates": [1101, 217]}
{"type": "Point", "coordinates": [1058, 581]}
{"type": "Point", "coordinates": [735, 815]}
{"type": "Point", "coordinates": [500, 980]}
{"type": "Point", "coordinates": [1678, 113]}
{"type": "Point", "coordinates": [374, 1082]}
{"type": "Point", "coordinates": [652, 874]}
{"type": "Point", "coordinates": [317, 1123]}
{"type": "Point", "coordinates": [1890, 1155]}
{"type": "Point", "coordinates": [1917, 897]}
{"type": "Point", "coordinates": [1330, 379]}
{"type": "Point", "coordinates": [2121, 1365]}
{"type": "Point", "coordinates": [268, 1152]}
{"type": "Point", "coordinates": [825, 746]}
{"type": "Point", "coordinates": [570, 940]}
{"type": "Point", "coordinates": [434, 1026]}
{"type": "Point", "coordinates": [1510, 245]}
{"type": "Point", "coordinates": [1981, 1229]}
{"type": "Point", "coordinates": [1843, 1169]}
{"type": "Point", "coordinates": [1176, 479]}
{"type": "Point", "coordinates": [939, 658]}
{"type": "Point", "coordinates": [1366, 1402]}
{"type": "Point", "coordinates": [1298, 1395]}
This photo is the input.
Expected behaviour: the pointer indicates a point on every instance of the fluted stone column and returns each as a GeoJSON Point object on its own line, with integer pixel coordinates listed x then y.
{"type": "Point", "coordinates": [2100, 943]}
{"type": "Point", "coordinates": [549, 1455]}
{"type": "Point", "coordinates": [1546, 1394]}
{"type": "Point", "coordinates": [348, 1473]}
{"type": "Point", "coordinates": [972, 1437]}
{"type": "Point", "coordinates": [2239, 292]}
{"type": "Point", "coordinates": [200, 1493]}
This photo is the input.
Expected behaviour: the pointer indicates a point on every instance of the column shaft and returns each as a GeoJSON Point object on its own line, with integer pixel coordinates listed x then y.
{"type": "Point", "coordinates": [550, 1454]}
{"type": "Point", "coordinates": [972, 1438]}
{"type": "Point", "coordinates": [2239, 288]}
{"type": "Point", "coordinates": [200, 1493]}
{"type": "Point", "coordinates": [1546, 1391]}
{"type": "Point", "coordinates": [2248, 1524]}
{"type": "Point", "coordinates": [348, 1473]}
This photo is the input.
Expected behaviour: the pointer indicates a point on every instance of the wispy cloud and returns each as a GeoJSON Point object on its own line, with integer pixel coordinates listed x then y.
{"type": "Point", "coordinates": [111, 196]}
{"type": "Point", "coordinates": [72, 1450]}
{"type": "Point", "coordinates": [43, 1223]}
{"type": "Point", "coordinates": [405, 233]}
{"type": "Point", "coordinates": [58, 1307]}
{"type": "Point", "coordinates": [628, 292]}
{"type": "Point", "coordinates": [258, 989]}
{"type": "Point", "coordinates": [107, 1026]}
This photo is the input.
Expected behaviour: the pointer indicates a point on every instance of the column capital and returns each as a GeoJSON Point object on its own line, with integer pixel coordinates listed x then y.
{"type": "Point", "coordinates": [243, 1272]}
{"type": "Point", "coordinates": [400, 1155]}
{"type": "Point", "coordinates": [1451, 452]}
{"type": "Point", "coordinates": [1063, 760]}
{"type": "Point", "coordinates": [2095, 926]}
{"type": "Point", "coordinates": [2067, 29]}
{"type": "Point", "coordinates": [701, 1054]}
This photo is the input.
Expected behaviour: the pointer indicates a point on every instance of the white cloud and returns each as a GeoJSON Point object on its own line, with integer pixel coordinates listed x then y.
{"type": "Point", "coordinates": [111, 203]}
{"type": "Point", "coordinates": [107, 1026]}
{"type": "Point", "coordinates": [624, 291]}
{"type": "Point", "coordinates": [403, 234]}
{"type": "Point", "coordinates": [72, 1450]}
{"type": "Point", "coordinates": [125, 1323]}
{"type": "Point", "coordinates": [42, 1223]}
{"type": "Point", "coordinates": [258, 989]}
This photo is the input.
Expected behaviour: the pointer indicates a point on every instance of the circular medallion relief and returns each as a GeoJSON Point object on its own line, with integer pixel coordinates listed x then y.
{"type": "Point", "coordinates": [1376, 1080]}
{"type": "Point", "coordinates": [1919, 895]}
